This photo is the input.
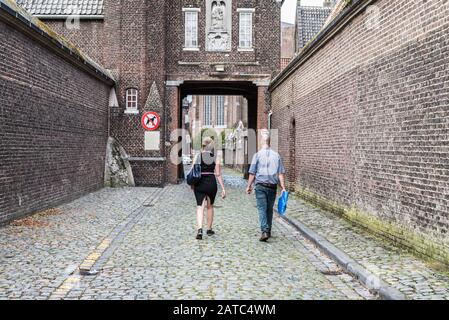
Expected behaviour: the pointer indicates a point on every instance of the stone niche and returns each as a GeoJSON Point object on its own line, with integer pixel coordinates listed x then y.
{"type": "Point", "coordinates": [218, 25]}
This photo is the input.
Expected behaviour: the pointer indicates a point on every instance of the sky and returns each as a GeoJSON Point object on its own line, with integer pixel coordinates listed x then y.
{"type": "Point", "coordinates": [289, 8]}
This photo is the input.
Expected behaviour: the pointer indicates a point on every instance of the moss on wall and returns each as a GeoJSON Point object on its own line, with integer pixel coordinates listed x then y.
{"type": "Point", "coordinates": [421, 245]}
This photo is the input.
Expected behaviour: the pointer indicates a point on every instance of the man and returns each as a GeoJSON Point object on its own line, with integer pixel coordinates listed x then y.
{"type": "Point", "coordinates": [267, 170]}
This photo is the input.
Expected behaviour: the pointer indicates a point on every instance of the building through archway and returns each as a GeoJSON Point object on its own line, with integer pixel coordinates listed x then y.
{"type": "Point", "coordinates": [206, 116]}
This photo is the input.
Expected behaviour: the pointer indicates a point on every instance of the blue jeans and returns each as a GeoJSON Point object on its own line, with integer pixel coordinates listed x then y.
{"type": "Point", "coordinates": [265, 198]}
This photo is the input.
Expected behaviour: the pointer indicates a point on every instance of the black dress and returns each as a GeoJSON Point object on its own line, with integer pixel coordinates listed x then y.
{"type": "Point", "coordinates": [207, 187]}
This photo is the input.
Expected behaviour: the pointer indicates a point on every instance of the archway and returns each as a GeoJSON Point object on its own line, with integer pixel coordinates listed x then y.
{"type": "Point", "coordinates": [214, 90]}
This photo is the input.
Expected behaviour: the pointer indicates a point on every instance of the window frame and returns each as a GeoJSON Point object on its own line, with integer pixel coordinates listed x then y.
{"type": "Point", "coordinates": [207, 104]}
{"type": "Point", "coordinates": [220, 104]}
{"type": "Point", "coordinates": [246, 32]}
{"type": "Point", "coordinates": [191, 34]}
{"type": "Point", "coordinates": [133, 93]}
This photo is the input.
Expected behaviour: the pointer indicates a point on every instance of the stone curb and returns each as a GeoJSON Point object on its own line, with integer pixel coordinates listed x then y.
{"type": "Point", "coordinates": [350, 265]}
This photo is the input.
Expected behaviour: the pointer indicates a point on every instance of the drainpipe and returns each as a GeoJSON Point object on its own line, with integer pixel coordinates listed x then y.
{"type": "Point", "coordinates": [270, 114]}
{"type": "Point", "coordinates": [109, 113]}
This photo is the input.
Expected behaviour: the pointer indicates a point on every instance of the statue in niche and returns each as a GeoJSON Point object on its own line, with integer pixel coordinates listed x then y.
{"type": "Point", "coordinates": [218, 14]}
{"type": "Point", "coordinates": [218, 25]}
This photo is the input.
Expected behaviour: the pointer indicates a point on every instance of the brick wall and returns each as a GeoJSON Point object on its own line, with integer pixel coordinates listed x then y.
{"type": "Point", "coordinates": [130, 41]}
{"type": "Point", "coordinates": [132, 30]}
{"type": "Point", "coordinates": [135, 34]}
{"type": "Point", "coordinates": [288, 41]}
{"type": "Point", "coordinates": [266, 41]}
{"type": "Point", "coordinates": [89, 37]}
{"type": "Point", "coordinates": [371, 112]}
{"type": "Point", "coordinates": [53, 125]}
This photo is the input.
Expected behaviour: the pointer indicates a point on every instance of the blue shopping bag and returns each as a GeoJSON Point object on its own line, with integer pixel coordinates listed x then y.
{"type": "Point", "coordinates": [282, 203]}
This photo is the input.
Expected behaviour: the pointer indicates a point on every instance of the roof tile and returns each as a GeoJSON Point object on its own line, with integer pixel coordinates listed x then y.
{"type": "Point", "coordinates": [310, 20]}
{"type": "Point", "coordinates": [63, 7]}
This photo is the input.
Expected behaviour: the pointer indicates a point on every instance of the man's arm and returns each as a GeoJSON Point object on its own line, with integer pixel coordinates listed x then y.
{"type": "Point", "coordinates": [282, 181]}
{"type": "Point", "coordinates": [251, 178]}
{"type": "Point", "coordinates": [220, 177]}
{"type": "Point", "coordinates": [252, 174]}
{"type": "Point", "coordinates": [281, 172]}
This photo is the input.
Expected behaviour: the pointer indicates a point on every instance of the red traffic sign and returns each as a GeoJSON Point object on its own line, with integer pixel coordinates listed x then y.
{"type": "Point", "coordinates": [151, 121]}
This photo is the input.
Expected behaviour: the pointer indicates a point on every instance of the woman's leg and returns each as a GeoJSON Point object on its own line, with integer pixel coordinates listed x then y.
{"type": "Point", "coordinates": [210, 214]}
{"type": "Point", "coordinates": [200, 214]}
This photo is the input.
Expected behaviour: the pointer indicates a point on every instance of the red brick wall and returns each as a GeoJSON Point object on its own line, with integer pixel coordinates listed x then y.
{"type": "Point", "coordinates": [262, 112]}
{"type": "Point", "coordinates": [135, 36]}
{"type": "Point", "coordinates": [53, 127]}
{"type": "Point", "coordinates": [131, 42]}
{"type": "Point", "coordinates": [132, 29]}
{"type": "Point", "coordinates": [288, 40]}
{"type": "Point", "coordinates": [89, 37]}
{"type": "Point", "coordinates": [172, 103]}
{"type": "Point", "coordinates": [148, 173]}
{"type": "Point", "coordinates": [372, 116]}
{"type": "Point", "coordinates": [266, 41]}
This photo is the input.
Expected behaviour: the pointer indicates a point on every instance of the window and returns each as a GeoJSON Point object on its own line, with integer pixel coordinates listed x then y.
{"type": "Point", "coordinates": [219, 101]}
{"type": "Point", "coordinates": [191, 29]}
{"type": "Point", "coordinates": [207, 111]}
{"type": "Point", "coordinates": [131, 100]}
{"type": "Point", "coordinates": [246, 29]}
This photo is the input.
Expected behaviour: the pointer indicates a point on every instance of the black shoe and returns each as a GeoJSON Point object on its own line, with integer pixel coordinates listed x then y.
{"type": "Point", "coordinates": [210, 232]}
{"type": "Point", "coordinates": [264, 237]}
{"type": "Point", "coordinates": [269, 234]}
{"type": "Point", "coordinates": [199, 235]}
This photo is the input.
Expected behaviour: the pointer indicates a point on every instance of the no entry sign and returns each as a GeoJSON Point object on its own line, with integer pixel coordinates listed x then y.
{"type": "Point", "coordinates": [151, 121]}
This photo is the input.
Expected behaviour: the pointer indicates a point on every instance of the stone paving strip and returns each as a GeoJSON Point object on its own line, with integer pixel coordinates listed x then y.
{"type": "Point", "coordinates": [40, 254]}
{"type": "Point", "coordinates": [95, 260]}
{"type": "Point", "coordinates": [347, 263]}
{"type": "Point", "coordinates": [154, 198]}
{"type": "Point", "coordinates": [412, 276]}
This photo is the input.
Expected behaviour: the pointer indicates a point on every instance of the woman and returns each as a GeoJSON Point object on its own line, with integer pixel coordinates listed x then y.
{"type": "Point", "coordinates": [206, 189]}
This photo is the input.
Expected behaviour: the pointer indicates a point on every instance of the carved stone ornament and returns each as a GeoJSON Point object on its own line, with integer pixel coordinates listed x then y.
{"type": "Point", "coordinates": [218, 25]}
